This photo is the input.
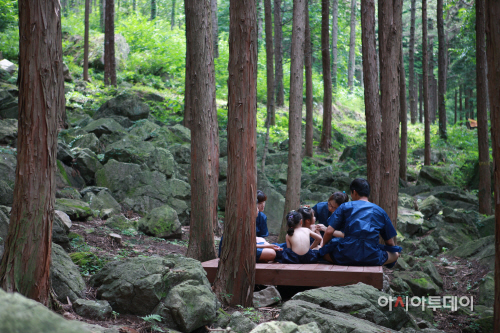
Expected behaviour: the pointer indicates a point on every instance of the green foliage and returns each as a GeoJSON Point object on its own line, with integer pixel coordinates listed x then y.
{"type": "Point", "coordinates": [152, 319]}
{"type": "Point", "coordinates": [251, 313]}
{"type": "Point", "coordinates": [88, 262]}
{"type": "Point", "coordinates": [9, 43]}
{"type": "Point", "coordinates": [8, 14]}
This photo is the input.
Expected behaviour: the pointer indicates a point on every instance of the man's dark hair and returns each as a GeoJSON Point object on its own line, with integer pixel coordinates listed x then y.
{"type": "Point", "coordinates": [261, 197]}
{"type": "Point", "coordinates": [361, 186]}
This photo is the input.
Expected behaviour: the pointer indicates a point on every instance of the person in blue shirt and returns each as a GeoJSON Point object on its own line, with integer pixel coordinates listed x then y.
{"type": "Point", "coordinates": [261, 222]}
{"type": "Point", "coordinates": [362, 223]}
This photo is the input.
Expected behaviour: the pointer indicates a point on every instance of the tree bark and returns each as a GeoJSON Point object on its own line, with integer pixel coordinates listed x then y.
{"type": "Point", "coordinates": [172, 16]}
{"type": "Point", "coordinates": [109, 45]}
{"type": "Point", "coordinates": [484, 194]}
{"type": "Point", "coordinates": [204, 132]}
{"type": "Point", "coordinates": [492, 13]}
{"type": "Point", "coordinates": [352, 47]}
{"type": "Point", "coordinates": [456, 92]}
{"type": "Point", "coordinates": [153, 9]}
{"type": "Point", "coordinates": [404, 119]}
{"type": "Point", "coordinates": [441, 71]}
{"type": "Point", "coordinates": [259, 21]}
{"type": "Point", "coordinates": [425, 85]}
{"type": "Point", "coordinates": [411, 68]}
{"type": "Point", "coordinates": [187, 85]}
{"type": "Point", "coordinates": [420, 99]}
{"type": "Point", "coordinates": [215, 28]}
{"type": "Point", "coordinates": [102, 12]}
{"type": "Point", "coordinates": [309, 88]}
{"type": "Point", "coordinates": [432, 86]}
{"type": "Point", "coordinates": [235, 278]}
{"type": "Point", "coordinates": [86, 43]}
{"type": "Point", "coordinates": [467, 94]}
{"type": "Point", "coordinates": [372, 100]}
{"type": "Point", "coordinates": [292, 195]}
{"type": "Point", "coordinates": [460, 99]}
{"type": "Point", "coordinates": [335, 37]}
{"type": "Point", "coordinates": [278, 58]}
{"type": "Point", "coordinates": [390, 26]}
{"type": "Point", "coordinates": [269, 61]}
{"type": "Point", "coordinates": [326, 133]}
{"type": "Point", "coordinates": [25, 266]}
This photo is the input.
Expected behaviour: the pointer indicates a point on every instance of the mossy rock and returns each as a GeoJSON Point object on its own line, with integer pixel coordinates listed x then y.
{"type": "Point", "coordinates": [420, 283]}
{"type": "Point", "coordinates": [76, 209]}
{"type": "Point", "coordinates": [435, 176]}
{"type": "Point", "coordinates": [83, 258]}
{"type": "Point", "coordinates": [121, 223]}
{"type": "Point", "coordinates": [161, 222]}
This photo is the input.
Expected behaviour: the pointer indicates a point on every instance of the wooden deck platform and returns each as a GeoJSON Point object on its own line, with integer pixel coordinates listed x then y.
{"type": "Point", "coordinates": [308, 275]}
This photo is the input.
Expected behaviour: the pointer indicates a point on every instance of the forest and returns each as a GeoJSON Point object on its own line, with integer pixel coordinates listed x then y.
{"type": "Point", "coordinates": [136, 135]}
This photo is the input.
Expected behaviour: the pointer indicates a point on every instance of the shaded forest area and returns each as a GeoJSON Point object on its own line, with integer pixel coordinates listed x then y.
{"type": "Point", "coordinates": [157, 121]}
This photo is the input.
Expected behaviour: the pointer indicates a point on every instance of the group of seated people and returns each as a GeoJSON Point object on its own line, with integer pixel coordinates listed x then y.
{"type": "Point", "coordinates": [338, 231]}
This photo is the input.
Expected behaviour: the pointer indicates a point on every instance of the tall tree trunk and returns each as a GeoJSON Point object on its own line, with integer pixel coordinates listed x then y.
{"type": "Point", "coordinates": [484, 194]}
{"type": "Point", "coordinates": [404, 119]}
{"type": "Point", "coordinates": [204, 132]}
{"type": "Point", "coordinates": [215, 28]}
{"type": "Point", "coordinates": [153, 9]}
{"type": "Point", "coordinates": [456, 92]}
{"type": "Point", "coordinates": [425, 85]}
{"type": "Point", "coordinates": [187, 85]}
{"type": "Point", "coordinates": [25, 266]}
{"type": "Point", "coordinates": [412, 82]}
{"type": "Point", "coordinates": [172, 16]}
{"type": "Point", "coordinates": [390, 26]}
{"type": "Point", "coordinates": [420, 99]}
{"type": "Point", "coordinates": [492, 13]}
{"type": "Point", "coordinates": [309, 87]}
{"type": "Point", "coordinates": [467, 94]}
{"type": "Point", "coordinates": [335, 37]}
{"type": "Point", "coordinates": [278, 58]}
{"type": "Point", "coordinates": [269, 61]}
{"type": "Point", "coordinates": [102, 14]}
{"type": "Point", "coordinates": [109, 45]}
{"type": "Point", "coordinates": [352, 47]}
{"type": "Point", "coordinates": [326, 133]}
{"type": "Point", "coordinates": [86, 43]}
{"type": "Point", "coordinates": [432, 87]}
{"type": "Point", "coordinates": [372, 99]}
{"type": "Point", "coordinates": [259, 21]}
{"type": "Point", "coordinates": [441, 71]}
{"type": "Point", "coordinates": [134, 5]}
{"type": "Point", "coordinates": [460, 87]}
{"type": "Point", "coordinates": [292, 195]}
{"type": "Point", "coordinates": [235, 278]}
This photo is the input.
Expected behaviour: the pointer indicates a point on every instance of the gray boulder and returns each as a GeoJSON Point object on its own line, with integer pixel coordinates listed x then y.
{"type": "Point", "coordinates": [400, 286]}
{"type": "Point", "coordinates": [66, 176]}
{"type": "Point", "coordinates": [99, 310]}
{"type": "Point", "coordinates": [66, 74]}
{"type": "Point", "coordinates": [359, 300]}
{"type": "Point", "coordinates": [20, 314]}
{"type": "Point", "coordinates": [286, 327]}
{"type": "Point", "coordinates": [144, 129]}
{"type": "Point", "coordinates": [64, 153]}
{"type": "Point", "coordinates": [68, 193]}
{"type": "Point", "coordinates": [181, 153]}
{"type": "Point", "coordinates": [8, 66]}
{"type": "Point", "coordinates": [436, 155]}
{"type": "Point", "coordinates": [182, 208]}
{"type": "Point", "coordinates": [161, 222]}
{"type": "Point", "coordinates": [124, 105]}
{"type": "Point", "coordinates": [222, 147]}
{"type": "Point", "coordinates": [486, 295]}
{"type": "Point", "coordinates": [8, 106]}
{"type": "Point", "coordinates": [60, 229]}
{"type": "Point", "coordinates": [277, 158]}
{"type": "Point", "coordinates": [129, 150]}
{"type": "Point", "coordinates": [4, 229]}
{"type": "Point", "coordinates": [167, 136]}
{"type": "Point", "coordinates": [7, 178]}
{"type": "Point", "coordinates": [102, 201]}
{"type": "Point", "coordinates": [65, 276]}
{"type": "Point", "coordinates": [328, 321]}
{"type": "Point", "coordinates": [266, 297]}
{"type": "Point", "coordinates": [87, 163]}
{"type": "Point", "coordinates": [103, 126]}
{"type": "Point", "coordinates": [356, 153]}
{"type": "Point", "coordinates": [89, 141]}
{"type": "Point", "coordinates": [406, 201]}
{"type": "Point", "coordinates": [428, 268]}
{"type": "Point", "coordinates": [455, 198]}
{"type": "Point", "coordinates": [451, 236]}
{"type": "Point", "coordinates": [324, 176]}
{"type": "Point", "coordinates": [8, 132]}
{"type": "Point", "coordinates": [162, 160]}
{"type": "Point", "coordinates": [409, 222]}
{"type": "Point", "coordinates": [486, 226]}
{"type": "Point", "coordinates": [430, 206]}
{"type": "Point", "coordinates": [482, 249]}
{"type": "Point", "coordinates": [121, 223]}
{"type": "Point", "coordinates": [434, 176]}
{"type": "Point", "coordinates": [460, 216]}
{"type": "Point", "coordinates": [76, 209]}
{"type": "Point", "coordinates": [414, 190]}
{"type": "Point", "coordinates": [275, 203]}
{"type": "Point", "coordinates": [420, 283]}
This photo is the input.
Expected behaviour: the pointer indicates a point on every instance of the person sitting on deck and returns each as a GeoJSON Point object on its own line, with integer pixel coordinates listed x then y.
{"type": "Point", "coordinates": [299, 250]}
{"type": "Point", "coordinates": [323, 211]}
{"type": "Point", "coordinates": [308, 220]}
{"type": "Point", "coordinates": [362, 223]}
{"type": "Point", "coordinates": [266, 252]}
{"type": "Point", "coordinates": [261, 222]}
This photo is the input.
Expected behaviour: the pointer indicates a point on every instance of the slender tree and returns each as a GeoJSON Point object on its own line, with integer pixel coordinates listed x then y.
{"type": "Point", "coordinates": [425, 85]}
{"type": "Point", "coordinates": [389, 32]}
{"type": "Point", "coordinates": [460, 89]}
{"type": "Point", "coordinates": [86, 43]}
{"type": "Point", "coordinates": [335, 36]}
{"type": "Point", "coordinates": [411, 67]}
{"type": "Point", "coordinates": [492, 13]}
{"type": "Point", "coordinates": [204, 146]}
{"type": "Point", "coordinates": [352, 47]}
{"type": "Point", "coordinates": [109, 45]}
{"type": "Point", "coordinates": [187, 85]}
{"type": "Point", "coordinates": [467, 107]}
{"type": "Point", "coordinates": [215, 28]}
{"type": "Point", "coordinates": [309, 87]}
{"type": "Point", "coordinates": [269, 61]}
{"type": "Point", "coordinates": [292, 195]}
{"type": "Point", "coordinates": [172, 16]}
{"type": "Point", "coordinates": [441, 71]}
{"type": "Point", "coordinates": [235, 278]}
{"type": "Point", "coordinates": [456, 92]}
{"type": "Point", "coordinates": [102, 12]}
{"type": "Point", "coordinates": [482, 112]}
{"type": "Point", "coordinates": [326, 132]}
{"type": "Point", "coordinates": [153, 9]}
{"type": "Point", "coordinates": [404, 119]}
{"type": "Point", "coordinates": [278, 58]}
{"type": "Point", "coordinates": [372, 100]}
{"type": "Point", "coordinates": [25, 266]}
{"type": "Point", "coordinates": [420, 99]}
{"type": "Point", "coordinates": [259, 20]}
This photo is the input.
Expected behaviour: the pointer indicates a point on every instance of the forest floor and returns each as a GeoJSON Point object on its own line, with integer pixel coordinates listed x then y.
{"type": "Point", "coordinates": [95, 236]}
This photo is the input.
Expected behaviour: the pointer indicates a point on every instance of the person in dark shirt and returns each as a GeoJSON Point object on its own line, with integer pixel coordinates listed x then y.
{"type": "Point", "coordinates": [261, 222]}
{"type": "Point", "coordinates": [362, 223]}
